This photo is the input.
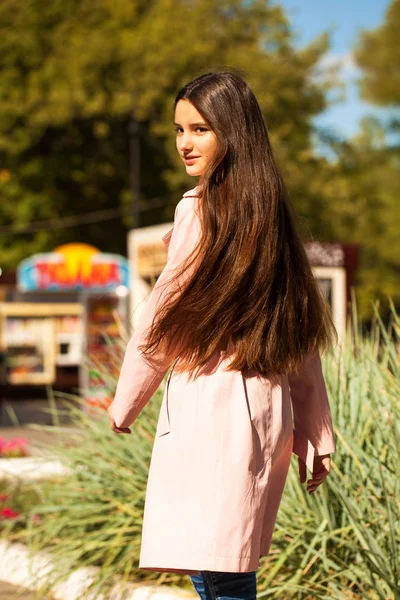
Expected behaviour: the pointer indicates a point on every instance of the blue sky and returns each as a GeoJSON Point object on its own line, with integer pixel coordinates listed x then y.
{"type": "Point", "coordinates": [344, 19]}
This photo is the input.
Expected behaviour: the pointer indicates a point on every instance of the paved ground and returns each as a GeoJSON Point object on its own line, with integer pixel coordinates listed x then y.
{"type": "Point", "coordinates": [40, 442]}
{"type": "Point", "coordinates": [11, 592]}
{"type": "Point", "coordinates": [18, 415]}
{"type": "Point", "coordinates": [21, 410]}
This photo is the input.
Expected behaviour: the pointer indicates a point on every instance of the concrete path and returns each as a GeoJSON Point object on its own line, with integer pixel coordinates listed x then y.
{"type": "Point", "coordinates": [40, 442]}
{"type": "Point", "coordinates": [11, 592]}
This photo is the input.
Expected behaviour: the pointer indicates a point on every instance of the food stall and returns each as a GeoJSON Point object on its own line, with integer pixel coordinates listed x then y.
{"type": "Point", "coordinates": [36, 338]}
{"type": "Point", "coordinates": [105, 326]}
{"type": "Point", "coordinates": [68, 311]}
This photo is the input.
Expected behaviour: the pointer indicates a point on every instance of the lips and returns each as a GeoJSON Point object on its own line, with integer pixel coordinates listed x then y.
{"type": "Point", "coordinates": [189, 160]}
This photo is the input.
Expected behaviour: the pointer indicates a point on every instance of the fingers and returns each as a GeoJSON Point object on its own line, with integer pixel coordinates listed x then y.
{"type": "Point", "coordinates": [113, 425]}
{"type": "Point", "coordinates": [121, 429]}
{"type": "Point", "coordinates": [322, 466]}
{"type": "Point", "coordinates": [315, 481]}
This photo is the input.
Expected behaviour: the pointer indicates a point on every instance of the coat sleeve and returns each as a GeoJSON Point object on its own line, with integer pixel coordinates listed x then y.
{"type": "Point", "coordinates": [313, 430]}
{"type": "Point", "coordinates": [139, 376]}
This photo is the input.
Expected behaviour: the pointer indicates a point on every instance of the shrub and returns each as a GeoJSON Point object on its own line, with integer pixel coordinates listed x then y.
{"type": "Point", "coordinates": [17, 502]}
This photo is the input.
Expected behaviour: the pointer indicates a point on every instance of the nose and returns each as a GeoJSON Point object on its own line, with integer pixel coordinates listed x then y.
{"type": "Point", "coordinates": [185, 142]}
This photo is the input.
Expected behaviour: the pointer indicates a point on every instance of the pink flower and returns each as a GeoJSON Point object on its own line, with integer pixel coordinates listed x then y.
{"type": "Point", "coordinates": [9, 513]}
{"type": "Point", "coordinates": [14, 447]}
{"type": "Point", "coordinates": [3, 497]}
{"type": "Point", "coordinates": [35, 518]}
{"type": "Point", "coordinates": [18, 441]}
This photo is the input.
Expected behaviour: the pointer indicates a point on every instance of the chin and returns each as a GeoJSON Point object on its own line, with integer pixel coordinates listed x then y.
{"type": "Point", "coordinates": [193, 172]}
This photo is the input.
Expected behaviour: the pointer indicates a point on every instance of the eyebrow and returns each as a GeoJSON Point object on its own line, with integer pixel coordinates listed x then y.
{"type": "Point", "coordinates": [193, 124]}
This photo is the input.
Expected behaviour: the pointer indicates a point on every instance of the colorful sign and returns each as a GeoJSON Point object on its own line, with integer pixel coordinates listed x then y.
{"type": "Point", "coordinates": [73, 267]}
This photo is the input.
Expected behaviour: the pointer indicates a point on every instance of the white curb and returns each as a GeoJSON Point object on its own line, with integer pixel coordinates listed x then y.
{"type": "Point", "coordinates": [31, 468]}
{"type": "Point", "coordinates": [19, 567]}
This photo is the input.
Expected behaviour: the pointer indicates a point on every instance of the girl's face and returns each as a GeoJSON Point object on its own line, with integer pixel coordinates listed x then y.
{"type": "Point", "coordinates": [195, 141]}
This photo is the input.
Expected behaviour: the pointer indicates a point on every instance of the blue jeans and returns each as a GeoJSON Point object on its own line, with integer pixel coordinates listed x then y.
{"type": "Point", "coordinates": [215, 585]}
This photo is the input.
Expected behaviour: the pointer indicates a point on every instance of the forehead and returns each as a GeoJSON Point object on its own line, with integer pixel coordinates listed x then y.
{"type": "Point", "coordinates": [185, 112]}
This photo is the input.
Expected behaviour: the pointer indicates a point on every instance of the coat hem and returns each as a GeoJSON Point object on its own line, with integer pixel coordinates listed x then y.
{"type": "Point", "coordinates": [227, 564]}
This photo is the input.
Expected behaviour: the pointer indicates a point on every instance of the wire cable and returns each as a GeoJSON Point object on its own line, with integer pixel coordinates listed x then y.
{"type": "Point", "coordinates": [83, 219]}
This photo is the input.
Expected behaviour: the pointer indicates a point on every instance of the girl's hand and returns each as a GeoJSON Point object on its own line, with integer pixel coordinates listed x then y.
{"type": "Point", "coordinates": [322, 466]}
{"type": "Point", "coordinates": [113, 425]}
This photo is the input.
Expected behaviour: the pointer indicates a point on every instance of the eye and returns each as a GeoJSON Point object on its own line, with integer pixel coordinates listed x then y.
{"type": "Point", "coordinates": [178, 129]}
{"type": "Point", "coordinates": [201, 129]}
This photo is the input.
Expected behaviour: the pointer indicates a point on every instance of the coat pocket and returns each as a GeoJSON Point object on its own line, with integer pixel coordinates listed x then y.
{"type": "Point", "coordinates": [261, 444]}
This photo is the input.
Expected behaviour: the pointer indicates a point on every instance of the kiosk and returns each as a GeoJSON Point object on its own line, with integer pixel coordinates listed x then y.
{"type": "Point", "coordinates": [66, 314]}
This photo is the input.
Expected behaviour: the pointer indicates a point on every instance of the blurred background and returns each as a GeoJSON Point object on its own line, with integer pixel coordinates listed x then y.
{"type": "Point", "coordinates": [89, 174]}
{"type": "Point", "coordinates": [89, 181]}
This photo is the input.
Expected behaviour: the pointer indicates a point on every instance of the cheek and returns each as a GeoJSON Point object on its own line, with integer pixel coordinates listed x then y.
{"type": "Point", "coordinates": [209, 147]}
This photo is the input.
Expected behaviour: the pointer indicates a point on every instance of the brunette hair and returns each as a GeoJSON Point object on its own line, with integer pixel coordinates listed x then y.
{"type": "Point", "coordinates": [252, 285]}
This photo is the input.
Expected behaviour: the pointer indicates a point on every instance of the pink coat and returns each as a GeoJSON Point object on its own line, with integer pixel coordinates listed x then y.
{"type": "Point", "coordinates": [223, 443]}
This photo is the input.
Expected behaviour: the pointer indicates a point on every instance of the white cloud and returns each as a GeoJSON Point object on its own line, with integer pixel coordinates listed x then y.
{"type": "Point", "coordinates": [343, 64]}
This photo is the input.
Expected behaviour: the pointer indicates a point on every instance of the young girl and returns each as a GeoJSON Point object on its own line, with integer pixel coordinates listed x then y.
{"type": "Point", "coordinates": [237, 313]}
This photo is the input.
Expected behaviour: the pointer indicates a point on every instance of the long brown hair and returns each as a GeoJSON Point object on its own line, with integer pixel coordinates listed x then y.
{"type": "Point", "coordinates": [252, 285]}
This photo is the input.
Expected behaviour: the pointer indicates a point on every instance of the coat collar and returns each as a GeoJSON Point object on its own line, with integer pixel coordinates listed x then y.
{"type": "Point", "coordinates": [167, 237]}
{"type": "Point", "coordinates": [193, 192]}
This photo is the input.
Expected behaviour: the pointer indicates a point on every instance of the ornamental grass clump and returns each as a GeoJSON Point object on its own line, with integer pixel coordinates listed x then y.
{"type": "Point", "coordinates": [340, 543]}
{"type": "Point", "coordinates": [93, 516]}
{"type": "Point", "coordinates": [343, 541]}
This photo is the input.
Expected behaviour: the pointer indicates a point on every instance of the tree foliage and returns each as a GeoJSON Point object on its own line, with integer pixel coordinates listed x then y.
{"type": "Point", "coordinates": [368, 169]}
{"type": "Point", "coordinates": [361, 206]}
{"type": "Point", "coordinates": [73, 70]}
{"type": "Point", "coordinates": [378, 54]}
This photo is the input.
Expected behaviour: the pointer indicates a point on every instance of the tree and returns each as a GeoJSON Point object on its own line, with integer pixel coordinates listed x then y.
{"type": "Point", "coordinates": [378, 54]}
{"type": "Point", "coordinates": [73, 70]}
{"type": "Point", "coordinates": [368, 169]}
{"type": "Point", "coordinates": [362, 207]}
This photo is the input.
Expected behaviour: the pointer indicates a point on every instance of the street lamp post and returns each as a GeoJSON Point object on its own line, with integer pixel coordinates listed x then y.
{"type": "Point", "coordinates": [134, 168]}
